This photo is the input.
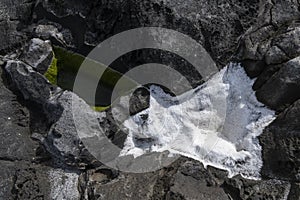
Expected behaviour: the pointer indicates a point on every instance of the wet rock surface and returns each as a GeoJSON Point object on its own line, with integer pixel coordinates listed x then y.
{"type": "Point", "coordinates": [41, 155]}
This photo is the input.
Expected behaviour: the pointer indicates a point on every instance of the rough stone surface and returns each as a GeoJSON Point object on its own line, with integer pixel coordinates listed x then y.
{"type": "Point", "coordinates": [21, 177]}
{"type": "Point", "coordinates": [14, 14]}
{"type": "Point", "coordinates": [208, 22]}
{"type": "Point", "coordinates": [184, 179]}
{"type": "Point", "coordinates": [14, 128]}
{"type": "Point", "coordinates": [38, 54]}
{"type": "Point", "coordinates": [47, 30]}
{"type": "Point", "coordinates": [283, 88]}
{"type": "Point", "coordinates": [139, 100]}
{"type": "Point", "coordinates": [41, 155]}
{"type": "Point", "coordinates": [62, 140]}
{"type": "Point", "coordinates": [102, 184]}
{"type": "Point", "coordinates": [23, 180]}
{"type": "Point", "coordinates": [32, 85]}
{"type": "Point", "coordinates": [63, 184]}
{"type": "Point", "coordinates": [295, 192]}
{"type": "Point", "coordinates": [268, 46]}
{"type": "Point", "coordinates": [281, 145]}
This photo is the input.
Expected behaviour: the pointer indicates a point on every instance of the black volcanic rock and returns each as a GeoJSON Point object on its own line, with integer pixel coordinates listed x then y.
{"type": "Point", "coordinates": [62, 140]}
{"type": "Point", "coordinates": [184, 179]}
{"type": "Point", "coordinates": [217, 25]}
{"type": "Point", "coordinates": [40, 148]}
{"type": "Point", "coordinates": [14, 15]}
{"type": "Point", "coordinates": [280, 142]}
{"type": "Point", "coordinates": [32, 85]}
{"type": "Point", "coordinates": [38, 54]}
{"type": "Point", "coordinates": [21, 177]}
{"type": "Point", "coordinates": [14, 128]}
{"type": "Point", "coordinates": [283, 87]}
{"type": "Point", "coordinates": [269, 51]}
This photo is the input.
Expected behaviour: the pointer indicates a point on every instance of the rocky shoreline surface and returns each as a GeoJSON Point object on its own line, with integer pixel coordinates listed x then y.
{"type": "Point", "coordinates": [41, 155]}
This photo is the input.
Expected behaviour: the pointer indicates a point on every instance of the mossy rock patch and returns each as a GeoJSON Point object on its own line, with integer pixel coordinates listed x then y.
{"type": "Point", "coordinates": [65, 66]}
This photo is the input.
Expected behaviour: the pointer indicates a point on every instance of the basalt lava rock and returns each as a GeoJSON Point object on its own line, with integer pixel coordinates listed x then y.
{"type": "Point", "coordinates": [38, 54]}
{"type": "Point", "coordinates": [280, 142]}
{"type": "Point", "coordinates": [263, 35]}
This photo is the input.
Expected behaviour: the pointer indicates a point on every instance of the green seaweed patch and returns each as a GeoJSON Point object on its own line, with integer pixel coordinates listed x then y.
{"type": "Point", "coordinates": [100, 108]}
{"type": "Point", "coordinates": [51, 73]}
{"type": "Point", "coordinates": [68, 60]}
{"type": "Point", "coordinates": [69, 63]}
{"type": "Point", "coordinates": [66, 64]}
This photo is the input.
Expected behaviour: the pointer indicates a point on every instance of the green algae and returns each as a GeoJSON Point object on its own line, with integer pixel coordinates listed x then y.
{"type": "Point", "coordinates": [51, 73]}
{"type": "Point", "coordinates": [66, 64]}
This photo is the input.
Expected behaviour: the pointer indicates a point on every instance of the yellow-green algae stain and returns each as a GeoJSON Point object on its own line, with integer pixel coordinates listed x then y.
{"type": "Point", "coordinates": [51, 73]}
{"type": "Point", "coordinates": [65, 66]}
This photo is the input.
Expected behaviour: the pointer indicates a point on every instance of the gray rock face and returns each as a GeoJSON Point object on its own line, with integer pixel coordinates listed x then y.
{"type": "Point", "coordinates": [194, 178]}
{"type": "Point", "coordinates": [38, 54]}
{"type": "Point", "coordinates": [14, 14]}
{"type": "Point", "coordinates": [62, 139]}
{"type": "Point", "coordinates": [139, 101]}
{"type": "Point", "coordinates": [32, 85]}
{"type": "Point", "coordinates": [283, 88]}
{"type": "Point", "coordinates": [102, 184]}
{"type": "Point", "coordinates": [267, 189]}
{"type": "Point", "coordinates": [288, 42]}
{"type": "Point", "coordinates": [271, 44]}
{"type": "Point", "coordinates": [14, 128]}
{"type": "Point", "coordinates": [54, 32]}
{"type": "Point", "coordinates": [21, 177]}
{"type": "Point", "coordinates": [266, 35]}
{"type": "Point", "coordinates": [269, 51]}
{"type": "Point", "coordinates": [280, 143]}
{"type": "Point", "coordinates": [23, 180]}
{"type": "Point", "coordinates": [275, 56]}
{"type": "Point", "coordinates": [207, 22]}
{"type": "Point", "coordinates": [282, 12]}
{"type": "Point", "coordinates": [212, 183]}
{"type": "Point", "coordinates": [64, 145]}
{"type": "Point", "coordinates": [63, 184]}
{"type": "Point", "coordinates": [295, 192]}
{"type": "Point", "coordinates": [184, 179]}
{"type": "Point", "coordinates": [45, 32]}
